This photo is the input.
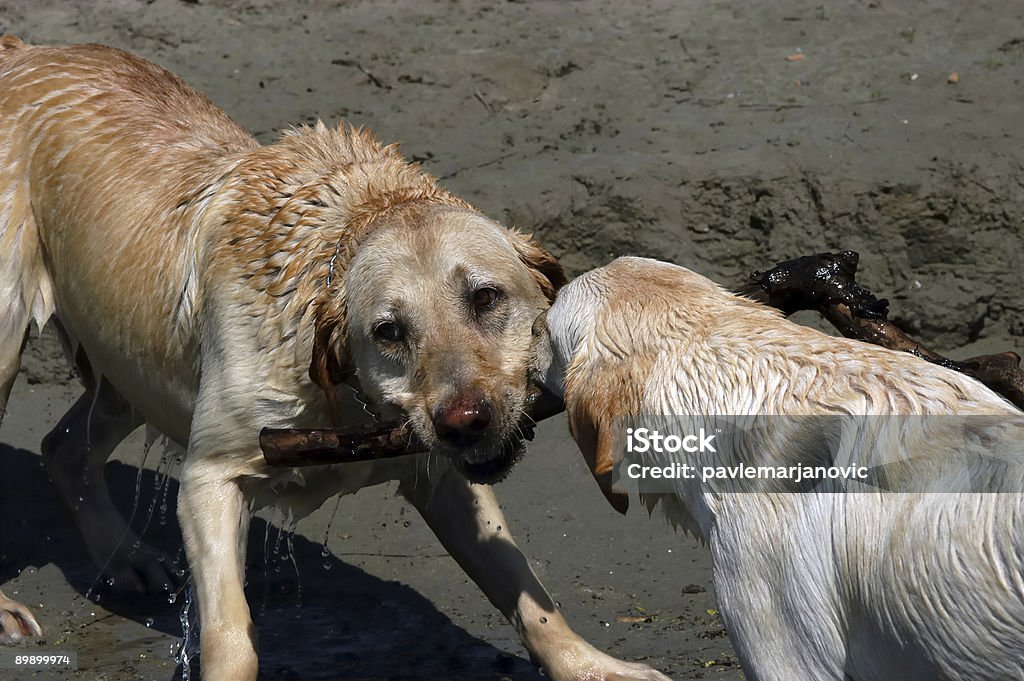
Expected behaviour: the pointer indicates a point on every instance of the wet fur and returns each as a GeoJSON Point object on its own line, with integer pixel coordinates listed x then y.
{"type": "Point", "coordinates": [214, 286]}
{"type": "Point", "coordinates": [815, 586]}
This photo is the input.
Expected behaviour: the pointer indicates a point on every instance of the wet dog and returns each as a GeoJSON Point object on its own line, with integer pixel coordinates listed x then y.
{"type": "Point", "coordinates": [921, 577]}
{"type": "Point", "coordinates": [210, 286]}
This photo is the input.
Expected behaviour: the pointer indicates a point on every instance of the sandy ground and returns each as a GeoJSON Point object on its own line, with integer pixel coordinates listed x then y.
{"type": "Point", "coordinates": [677, 130]}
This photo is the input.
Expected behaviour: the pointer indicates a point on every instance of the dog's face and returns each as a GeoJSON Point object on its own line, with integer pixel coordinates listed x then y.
{"type": "Point", "coordinates": [440, 305]}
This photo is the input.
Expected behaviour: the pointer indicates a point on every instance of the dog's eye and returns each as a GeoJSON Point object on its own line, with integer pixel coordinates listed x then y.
{"type": "Point", "coordinates": [389, 331]}
{"type": "Point", "coordinates": [485, 298]}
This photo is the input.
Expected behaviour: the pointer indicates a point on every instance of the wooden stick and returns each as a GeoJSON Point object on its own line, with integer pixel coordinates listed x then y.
{"type": "Point", "coordinates": [826, 283]}
{"type": "Point", "coordinates": [291, 447]}
{"type": "Point", "coordinates": [295, 447]}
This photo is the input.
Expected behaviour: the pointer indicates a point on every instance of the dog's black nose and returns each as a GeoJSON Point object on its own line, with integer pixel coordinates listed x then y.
{"type": "Point", "coordinates": [463, 420]}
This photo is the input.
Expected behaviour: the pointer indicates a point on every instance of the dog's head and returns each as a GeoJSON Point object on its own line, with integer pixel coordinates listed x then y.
{"type": "Point", "coordinates": [439, 303]}
{"type": "Point", "coordinates": [592, 348]}
{"type": "Point", "coordinates": [564, 354]}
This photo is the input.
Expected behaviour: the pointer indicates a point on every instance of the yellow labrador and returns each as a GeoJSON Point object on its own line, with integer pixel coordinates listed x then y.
{"type": "Point", "coordinates": [924, 581]}
{"type": "Point", "coordinates": [210, 286]}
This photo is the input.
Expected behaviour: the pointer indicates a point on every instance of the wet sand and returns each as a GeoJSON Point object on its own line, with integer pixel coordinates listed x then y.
{"type": "Point", "coordinates": [673, 130]}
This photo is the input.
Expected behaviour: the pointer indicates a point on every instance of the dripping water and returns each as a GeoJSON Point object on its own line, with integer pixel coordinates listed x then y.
{"type": "Point", "coordinates": [91, 593]}
{"type": "Point", "coordinates": [188, 647]}
{"type": "Point", "coordinates": [325, 552]}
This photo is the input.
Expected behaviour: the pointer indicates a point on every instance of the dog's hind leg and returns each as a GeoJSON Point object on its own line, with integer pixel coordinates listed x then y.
{"type": "Point", "coordinates": [76, 451]}
{"type": "Point", "coordinates": [23, 285]}
{"type": "Point", "coordinates": [16, 621]}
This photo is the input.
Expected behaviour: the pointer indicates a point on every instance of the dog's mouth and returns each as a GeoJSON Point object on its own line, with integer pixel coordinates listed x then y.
{"type": "Point", "coordinates": [496, 467]}
{"type": "Point", "coordinates": [540, 404]}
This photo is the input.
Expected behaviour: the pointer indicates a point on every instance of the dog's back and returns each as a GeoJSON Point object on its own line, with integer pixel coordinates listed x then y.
{"type": "Point", "coordinates": [874, 584]}
{"type": "Point", "coordinates": [97, 148]}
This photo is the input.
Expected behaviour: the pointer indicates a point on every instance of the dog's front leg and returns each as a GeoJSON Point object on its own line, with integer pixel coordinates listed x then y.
{"type": "Point", "coordinates": [467, 520]}
{"type": "Point", "coordinates": [214, 523]}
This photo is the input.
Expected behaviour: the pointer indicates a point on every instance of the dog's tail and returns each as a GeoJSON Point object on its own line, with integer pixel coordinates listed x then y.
{"type": "Point", "coordinates": [26, 290]}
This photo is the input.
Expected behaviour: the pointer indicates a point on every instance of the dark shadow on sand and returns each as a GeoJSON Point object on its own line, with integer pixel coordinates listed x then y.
{"type": "Point", "coordinates": [350, 625]}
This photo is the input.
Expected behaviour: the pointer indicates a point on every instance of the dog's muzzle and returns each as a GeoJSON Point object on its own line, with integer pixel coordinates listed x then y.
{"type": "Point", "coordinates": [485, 463]}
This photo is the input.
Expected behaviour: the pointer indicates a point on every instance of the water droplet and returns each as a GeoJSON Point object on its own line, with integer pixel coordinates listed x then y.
{"type": "Point", "coordinates": [543, 620]}
{"type": "Point", "coordinates": [149, 621]}
{"type": "Point", "coordinates": [327, 566]}
{"type": "Point", "coordinates": [498, 529]}
{"type": "Point", "coordinates": [172, 598]}
{"type": "Point", "coordinates": [325, 553]}
{"type": "Point", "coordinates": [406, 524]}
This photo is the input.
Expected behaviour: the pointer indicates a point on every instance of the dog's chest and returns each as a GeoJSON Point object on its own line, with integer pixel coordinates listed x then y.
{"type": "Point", "coordinates": [297, 492]}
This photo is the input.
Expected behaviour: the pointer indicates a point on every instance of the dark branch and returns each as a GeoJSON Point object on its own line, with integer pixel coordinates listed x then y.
{"type": "Point", "coordinates": [826, 283]}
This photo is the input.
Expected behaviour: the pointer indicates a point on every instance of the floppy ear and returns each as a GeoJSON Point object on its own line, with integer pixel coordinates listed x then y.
{"type": "Point", "coordinates": [544, 266]}
{"type": "Point", "coordinates": [596, 439]}
{"type": "Point", "coordinates": [326, 368]}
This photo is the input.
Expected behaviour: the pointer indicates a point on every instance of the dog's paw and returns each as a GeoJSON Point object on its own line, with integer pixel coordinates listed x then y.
{"type": "Point", "coordinates": [583, 662]}
{"type": "Point", "coordinates": [16, 622]}
{"type": "Point", "coordinates": [137, 571]}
